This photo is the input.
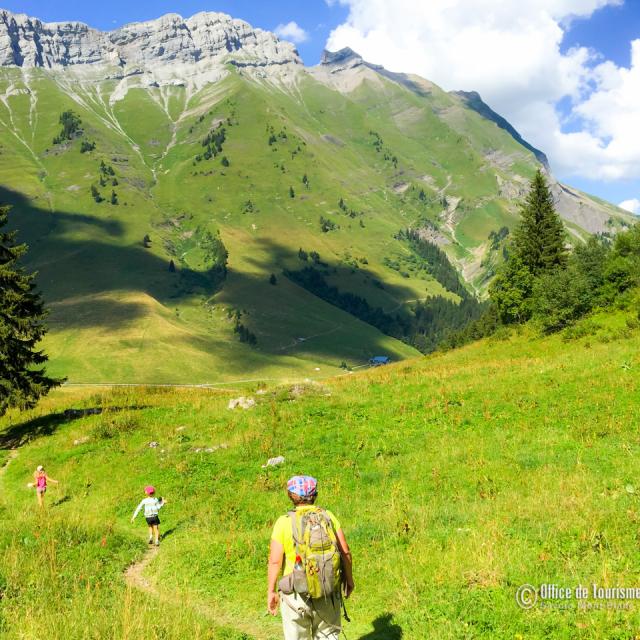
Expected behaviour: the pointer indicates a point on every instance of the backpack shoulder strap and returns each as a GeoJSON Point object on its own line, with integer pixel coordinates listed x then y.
{"type": "Point", "coordinates": [325, 516]}
{"type": "Point", "coordinates": [294, 530]}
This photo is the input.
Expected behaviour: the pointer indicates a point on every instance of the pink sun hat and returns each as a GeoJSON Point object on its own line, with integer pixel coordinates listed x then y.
{"type": "Point", "coordinates": [149, 490]}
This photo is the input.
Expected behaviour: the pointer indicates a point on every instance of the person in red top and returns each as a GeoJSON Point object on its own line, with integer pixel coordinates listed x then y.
{"type": "Point", "coordinates": [40, 483]}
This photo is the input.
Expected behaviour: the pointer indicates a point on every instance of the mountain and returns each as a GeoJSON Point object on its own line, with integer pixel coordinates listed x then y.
{"type": "Point", "coordinates": [202, 207]}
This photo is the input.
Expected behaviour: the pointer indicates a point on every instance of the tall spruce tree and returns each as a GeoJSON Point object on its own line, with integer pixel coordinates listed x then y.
{"type": "Point", "coordinates": [22, 377]}
{"type": "Point", "coordinates": [538, 249]}
{"type": "Point", "coordinates": [539, 238]}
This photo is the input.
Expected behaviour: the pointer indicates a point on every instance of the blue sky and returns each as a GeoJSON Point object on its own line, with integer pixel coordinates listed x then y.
{"type": "Point", "coordinates": [607, 33]}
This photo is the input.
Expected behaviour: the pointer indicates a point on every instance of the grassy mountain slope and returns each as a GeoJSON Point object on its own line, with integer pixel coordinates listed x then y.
{"type": "Point", "coordinates": [457, 477]}
{"type": "Point", "coordinates": [393, 157]}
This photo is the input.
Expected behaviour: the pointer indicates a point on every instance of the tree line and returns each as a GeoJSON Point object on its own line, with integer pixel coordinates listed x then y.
{"type": "Point", "coordinates": [438, 264]}
{"type": "Point", "coordinates": [544, 282]}
{"type": "Point", "coordinates": [424, 327]}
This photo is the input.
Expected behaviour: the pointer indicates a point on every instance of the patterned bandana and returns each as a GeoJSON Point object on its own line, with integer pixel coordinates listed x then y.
{"type": "Point", "coordinates": [303, 486]}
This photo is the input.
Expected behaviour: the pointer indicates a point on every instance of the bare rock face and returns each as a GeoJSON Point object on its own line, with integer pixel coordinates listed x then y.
{"type": "Point", "coordinates": [345, 70]}
{"type": "Point", "coordinates": [340, 60]}
{"type": "Point", "coordinates": [169, 40]}
{"type": "Point", "coordinates": [582, 211]}
{"type": "Point", "coordinates": [216, 34]}
{"type": "Point", "coordinates": [28, 42]}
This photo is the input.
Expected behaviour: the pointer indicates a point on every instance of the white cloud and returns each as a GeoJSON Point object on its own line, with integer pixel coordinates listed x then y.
{"type": "Point", "coordinates": [291, 31]}
{"type": "Point", "coordinates": [510, 52]}
{"type": "Point", "coordinates": [632, 205]}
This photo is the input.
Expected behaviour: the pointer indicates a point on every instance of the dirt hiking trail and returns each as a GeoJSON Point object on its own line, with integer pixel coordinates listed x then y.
{"type": "Point", "coordinates": [13, 454]}
{"type": "Point", "coordinates": [135, 578]}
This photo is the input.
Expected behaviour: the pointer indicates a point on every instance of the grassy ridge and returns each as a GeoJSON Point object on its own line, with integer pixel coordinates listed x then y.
{"type": "Point", "coordinates": [457, 478]}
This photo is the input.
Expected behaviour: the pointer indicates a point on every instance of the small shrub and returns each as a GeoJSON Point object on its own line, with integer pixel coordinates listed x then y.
{"type": "Point", "coordinates": [244, 334]}
{"type": "Point", "coordinates": [86, 146]}
{"type": "Point", "coordinates": [113, 425]}
{"type": "Point", "coordinates": [70, 122]}
{"type": "Point", "coordinates": [585, 328]}
{"type": "Point", "coordinates": [95, 194]}
{"type": "Point", "coordinates": [327, 225]}
{"type": "Point", "coordinates": [501, 334]}
{"type": "Point", "coordinates": [633, 323]}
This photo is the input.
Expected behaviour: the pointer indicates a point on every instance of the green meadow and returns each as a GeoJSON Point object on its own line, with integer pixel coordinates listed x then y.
{"type": "Point", "coordinates": [457, 478]}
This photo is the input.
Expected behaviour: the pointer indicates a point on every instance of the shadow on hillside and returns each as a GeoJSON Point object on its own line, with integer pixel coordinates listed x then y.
{"type": "Point", "coordinates": [384, 629]}
{"type": "Point", "coordinates": [82, 260]}
{"type": "Point", "coordinates": [20, 434]}
{"type": "Point", "coordinates": [77, 255]}
{"type": "Point", "coordinates": [279, 256]}
{"type": "Point", "coordinates": [343, 330]}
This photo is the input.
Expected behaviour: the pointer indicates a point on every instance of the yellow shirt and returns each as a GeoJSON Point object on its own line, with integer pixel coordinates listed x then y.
{"type": "Point", "coordinates": [283, 534]}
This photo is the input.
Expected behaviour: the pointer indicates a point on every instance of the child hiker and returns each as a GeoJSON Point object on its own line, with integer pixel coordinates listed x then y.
{"type": "Point", "coordinates": [40, 483]}
{"type": "Point", "coordinates": [152, 506]}
{"type": "Point", "coordinates": [309, 548]}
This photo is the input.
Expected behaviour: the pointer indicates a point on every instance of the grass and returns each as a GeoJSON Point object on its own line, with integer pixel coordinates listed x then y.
{"type": "Point", "coordinates": [457, 478]}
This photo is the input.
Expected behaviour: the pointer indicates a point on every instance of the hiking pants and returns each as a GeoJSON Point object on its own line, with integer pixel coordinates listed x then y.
{"type": "Point", "coordinates": [309, 620]}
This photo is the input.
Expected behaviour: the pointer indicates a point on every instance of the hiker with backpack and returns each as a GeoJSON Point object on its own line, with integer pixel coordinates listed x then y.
{"type": "Point", "coordinates": [152, 506]}
{"type": "Point", "coordinates": [309, 547]}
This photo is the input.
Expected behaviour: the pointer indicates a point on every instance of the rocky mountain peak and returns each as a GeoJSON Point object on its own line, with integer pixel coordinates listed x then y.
{"type": "Point", "coordinates": [170, 39]}
{"type": "Point", "coordinates": [346, 58]}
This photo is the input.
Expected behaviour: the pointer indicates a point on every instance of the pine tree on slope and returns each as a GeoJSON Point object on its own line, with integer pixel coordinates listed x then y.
{"type": "Point", "coordinates": [539, 238]}
{"type": "Point", "coordinates": [22, 377]}
{"type": "Point", "coordinates": [538, 249]}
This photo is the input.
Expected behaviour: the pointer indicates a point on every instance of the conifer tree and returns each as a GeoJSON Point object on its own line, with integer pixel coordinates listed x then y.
{"type": "Point", "coordinates": [22, 374]}
{"type": "Point", "coordinates": [538, 249]}
{"type": "Point", "coordinates": [539, 238]}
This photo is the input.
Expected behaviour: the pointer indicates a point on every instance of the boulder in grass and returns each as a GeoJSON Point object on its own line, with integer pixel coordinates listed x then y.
{"type": "Point", "coordinates": [211, 449]}
{"type": "Point", "coordinates": [274, 462]}
{"type": "Point", "coordinates": [242, 402]}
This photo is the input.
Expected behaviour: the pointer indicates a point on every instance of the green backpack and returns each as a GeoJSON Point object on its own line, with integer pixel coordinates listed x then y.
{"type": "Point", "coordinates": [318, 567]}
